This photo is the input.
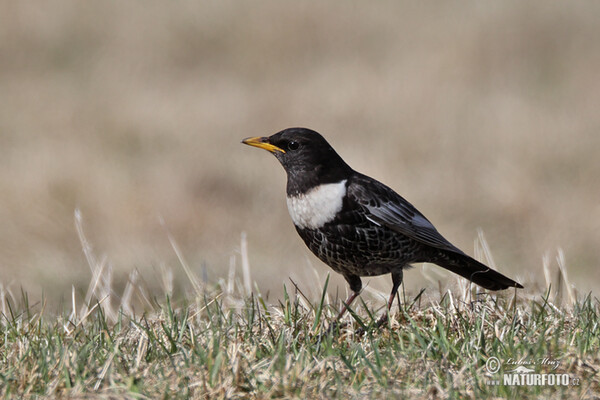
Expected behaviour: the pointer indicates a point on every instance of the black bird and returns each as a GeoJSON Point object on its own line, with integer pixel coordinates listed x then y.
{"type": "Point", "coordinates": [357, 225]}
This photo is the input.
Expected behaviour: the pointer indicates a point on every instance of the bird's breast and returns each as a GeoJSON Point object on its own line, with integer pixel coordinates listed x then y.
{"type": "Point", "coordinates": [318, 206]}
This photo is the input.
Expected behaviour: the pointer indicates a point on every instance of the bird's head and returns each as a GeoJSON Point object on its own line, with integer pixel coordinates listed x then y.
{"type": "Point", "coordinates": [306, 157]}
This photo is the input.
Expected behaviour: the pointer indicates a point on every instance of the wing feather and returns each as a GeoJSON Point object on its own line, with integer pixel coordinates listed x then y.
{"type": "Point", "coordinates": [385, 207]}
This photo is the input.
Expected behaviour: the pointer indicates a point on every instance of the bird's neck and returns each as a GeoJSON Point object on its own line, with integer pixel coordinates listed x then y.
{"type": "Point", "coordinates": [301, 181]}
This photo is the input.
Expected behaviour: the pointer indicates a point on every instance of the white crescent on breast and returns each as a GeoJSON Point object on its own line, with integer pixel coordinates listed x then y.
{"type": "Point", "coordinates": [318, 206]}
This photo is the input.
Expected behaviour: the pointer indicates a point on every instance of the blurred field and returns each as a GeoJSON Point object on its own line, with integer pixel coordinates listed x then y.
{"type": "Point", "coordinates": [482, 115]}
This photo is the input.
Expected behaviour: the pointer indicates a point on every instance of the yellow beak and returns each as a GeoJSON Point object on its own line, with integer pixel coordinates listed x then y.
{"type": "Point", "coordinates": [262, 142]}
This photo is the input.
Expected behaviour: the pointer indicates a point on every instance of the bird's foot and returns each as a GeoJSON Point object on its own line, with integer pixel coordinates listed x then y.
{"type": "Point", "coordinates": [381, 321]}
{"type": "Point", "coordinates": [335, 326]}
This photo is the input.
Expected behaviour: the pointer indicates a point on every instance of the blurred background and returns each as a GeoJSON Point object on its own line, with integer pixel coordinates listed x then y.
{"type": "Point", "coordinates": [484, 115]}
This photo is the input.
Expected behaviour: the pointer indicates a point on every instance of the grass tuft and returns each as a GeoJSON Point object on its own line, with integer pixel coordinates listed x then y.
{"type": "Point", "coordinates": [209, 349]}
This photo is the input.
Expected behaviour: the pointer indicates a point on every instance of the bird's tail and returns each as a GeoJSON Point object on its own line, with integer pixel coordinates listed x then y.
{"type": "Point", "coordinates": [475, 271]}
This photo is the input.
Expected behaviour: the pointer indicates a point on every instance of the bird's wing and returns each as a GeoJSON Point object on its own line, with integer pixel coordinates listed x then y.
{"type": "Point", "coordinates": [387, 208]}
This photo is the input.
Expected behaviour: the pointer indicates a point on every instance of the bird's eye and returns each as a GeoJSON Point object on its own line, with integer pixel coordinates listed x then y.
{"type": "Point", "coordinates": [293, 145]}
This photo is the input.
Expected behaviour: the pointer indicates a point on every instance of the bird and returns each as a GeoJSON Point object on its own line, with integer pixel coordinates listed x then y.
{"type": "Point", "coordinates": [357, 225]}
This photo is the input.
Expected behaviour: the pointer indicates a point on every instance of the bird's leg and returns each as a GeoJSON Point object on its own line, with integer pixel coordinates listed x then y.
{"type": "Point", "coordinates": [348, 301]}
{"type": "Point", "coordinates": [355, 286]}
{"type": "Point", "coordinates": [396, 281]}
